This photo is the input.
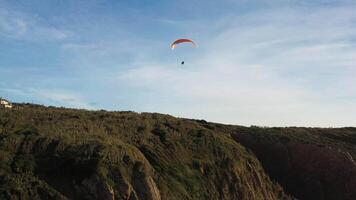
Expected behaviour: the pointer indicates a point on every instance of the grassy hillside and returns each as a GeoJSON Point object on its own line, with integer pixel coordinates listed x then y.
{"type": "Point", "coordinates": [57, 153]}
{"type": "Point", "coordinates": [62, 153]}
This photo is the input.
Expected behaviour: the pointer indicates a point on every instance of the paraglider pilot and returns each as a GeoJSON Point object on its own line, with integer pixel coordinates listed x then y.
{"type": "Point", "coordinates": [175, 43]}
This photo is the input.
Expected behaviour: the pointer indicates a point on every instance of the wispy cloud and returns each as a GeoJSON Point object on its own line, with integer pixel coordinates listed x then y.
{"type": "Point", "coordinates": [17, 25]}
{"type": "Point", "coordinates": [258, 62]}
{"type": "Point", "coordinates": [275, 67]}
{"type": "Point", "coordinates": [57, 97]}
{"type": "Point", "coordinates": [62, 98]}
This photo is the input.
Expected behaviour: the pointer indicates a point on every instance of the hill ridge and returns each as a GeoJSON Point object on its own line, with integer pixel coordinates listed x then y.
{"type": "Point", "coordinates": [59, 153]}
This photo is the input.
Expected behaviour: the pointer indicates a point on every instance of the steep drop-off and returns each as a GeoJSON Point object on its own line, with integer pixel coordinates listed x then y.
{"type": "Point", "coordinates": [310, 163]}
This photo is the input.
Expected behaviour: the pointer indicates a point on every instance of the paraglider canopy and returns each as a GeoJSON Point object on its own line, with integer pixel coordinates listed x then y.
{"type": "Point", "coordinates": [179, 41]}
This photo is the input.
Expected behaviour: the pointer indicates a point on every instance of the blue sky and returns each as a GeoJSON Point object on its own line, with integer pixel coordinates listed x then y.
{"type": "Point", "coordinates": [273, 63]}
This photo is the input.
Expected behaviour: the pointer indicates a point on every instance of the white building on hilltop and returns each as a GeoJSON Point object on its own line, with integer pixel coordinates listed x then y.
{"type": "Point", "coordinates": [5, 103]}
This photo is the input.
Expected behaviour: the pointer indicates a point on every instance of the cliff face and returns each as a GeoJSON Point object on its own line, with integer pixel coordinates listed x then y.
{"type": "Point", "coordinates": [53, 153]}
{"type": "Point", "coordinates": [56, 153]}
{"type": "Point", "coordinates": [309, 163]}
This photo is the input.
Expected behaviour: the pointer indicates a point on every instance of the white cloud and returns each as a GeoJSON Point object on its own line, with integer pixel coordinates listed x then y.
{"type": "Point", "coordinates": [57, 97]}
{"type": "Point", "coordinates": [62, 98]}
{"type": "Point", "coordinates": [279, 67]}
{"type": "Point", "coordinates": [17, 25]}
{"type": "Point", "coordinates": [10, 25]}
{"type": "Point", "coordinates": [292, 65]}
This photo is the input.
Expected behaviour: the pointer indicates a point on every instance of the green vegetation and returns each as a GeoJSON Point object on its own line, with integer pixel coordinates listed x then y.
{"type": "Point", "coordinates": [58, 153]}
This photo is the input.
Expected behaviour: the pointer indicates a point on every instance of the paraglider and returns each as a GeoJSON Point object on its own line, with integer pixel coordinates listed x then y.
{"type": "Point", "coordinates": [179, 41]}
